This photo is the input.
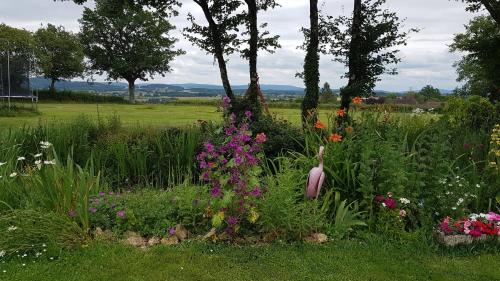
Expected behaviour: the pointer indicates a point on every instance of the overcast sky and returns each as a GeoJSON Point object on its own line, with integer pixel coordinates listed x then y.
{"type": "Point", "coordinates": [425, 60]}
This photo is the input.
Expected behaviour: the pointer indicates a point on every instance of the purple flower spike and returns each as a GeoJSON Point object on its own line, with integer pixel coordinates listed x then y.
{"type": "Point", "coordinates": [171, 231]}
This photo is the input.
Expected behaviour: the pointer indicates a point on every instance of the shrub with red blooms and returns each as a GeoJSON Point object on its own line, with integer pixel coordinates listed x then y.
{"type": "Point", "coordinates": [475, 225]}
{"type": "Point", "coordinates": [231, 171]}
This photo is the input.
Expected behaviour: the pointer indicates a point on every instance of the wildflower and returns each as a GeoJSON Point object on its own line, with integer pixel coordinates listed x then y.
{"type": "Point", "coordinates": [248, 114]}
{"type": "Point", "coordinates": [2, 163]}
{"type": "Point", "coordinates": [38, 155]}
{"type": "Point", "coordinates": [38, 164]}
{"type": "Point", "coordinates": [341, 112]}
{"type": "Point", "coordinates": [335, 138]}
{"type": "Point", "coordinates": [460, 201]}
{"type": "Point", "coordinates": [357, 100]}
{"type": "Point", "coordinates": [93, 210]}
{"type": "Point", "coordinates": [2, 254]}
{"type": "Point", "coordinates": [11, 228]}
{"type": "Point", "coordinates": [13, 175]}
{"type": "Point", "coordinates": [232, 220]}
{"type": "Point", "coordinates": [402, 213]}
{"type": "Point", "coordinates": [256, 192]}
{"type": "Point", "coordinates": [319, 125]}
{"type": "Point", "coordinates": [45, 144]}
{"type": "Point", "coordinates": [121, 214]}
{"type": "Point", "coordinates": [404, 201]}
{"type": "Point", "coordinates": [215, 192]}
{"type": "Point", "coordinates": [260, 138]}
{"type": "Point", "coordinates": [171, 231]}
{"type": "Point", "coordinates": [379, 198]}
{"type": "Point", "coordinates": [102, 194]}
{"type": "Point", "coordinates": [389, 194]}
{"type": "Point", "coordinates": [52, 162]}
{"type": "Point", "coordinates": [226, 102]}
{"type": "Point", "coordinates": [21, 158]}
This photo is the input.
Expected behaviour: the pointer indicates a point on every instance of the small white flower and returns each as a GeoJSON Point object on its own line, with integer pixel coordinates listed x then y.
{"type": "Point", "coordinates": [13, 175]}
{"type": "Point", "coordinates": [404, 201]}
{"type": "Point", "coordinates": [383, 204]}
{"type": "Point", "coordinates": [460, 185]}
{"type": "Point", "coordinates": [21, 158]}
{"type": "Point", "coordinates": [38, 164]}
{"type": "Point", "coordinates": [46, 162]}
{"type": "Point", "coordinates": [2, 254]}
{"type": "Point", "coordinates": [45, 144]}
{"type": "Point", "coordinates": [453, 208]}
{"type": "Point", "coordinates": [43, 245]}
{"type": "Point", "coordinates": [38, 155]}
{"type": "Point", "coordinates": [24, 264]}
{"type": "Point", "coordinates": [478, 186]}
{"type": "Point", "coordinates": [2, 163]}
{"type": "Point", "coordinates": [11, 228]}
{"type": "Point", "coordinates": [460, 201]}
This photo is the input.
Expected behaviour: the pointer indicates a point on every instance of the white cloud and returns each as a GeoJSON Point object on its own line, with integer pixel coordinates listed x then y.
{"type": "Point", "coordinates": [426, 59]}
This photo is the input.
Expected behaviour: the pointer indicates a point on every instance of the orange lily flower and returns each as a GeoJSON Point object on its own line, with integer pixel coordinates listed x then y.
{"type": "Point", "coordinates": [357, 100]}
{"type": "Point", "coordinates": [335, 138]}
{"type": "Point", "coordinates": [341, 112]}
{"type": "Point", "coordinates": [319, 125]}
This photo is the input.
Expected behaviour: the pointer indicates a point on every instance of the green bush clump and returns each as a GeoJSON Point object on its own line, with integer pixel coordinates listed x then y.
{"type": "Point", "coordinates": [150, 212]}
{"type": "Point", "coordinates": [81, 97]}
{"type": "Point", "coordinates": [473, 112]}
{"type": "Point", "coordinates": [35, 233]}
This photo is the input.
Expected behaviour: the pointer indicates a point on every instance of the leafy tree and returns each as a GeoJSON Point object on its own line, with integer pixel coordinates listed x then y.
{"type": "Point", "coordinates": [326, 93]}
{"type": "Point", "coordinates": [128, 43]}
{"type": "Point", "coordinates": [430, 93]}
{"type": "Point", "coordinates": [480, 67]}
{"type": "Point", "coordinates": [59, 54]}
{"type": "Point", "coordinates": [311, 66]}
{"type": "Point", "coordinates": [366, 43]}
{"type": "Point", "coordinates": [220, 37]}
{"type": "Point", "coordinates": [164, 7]}
{"type": "Point", "coordinates": [256, 40]}
{"type": "Point", "coordinates": [18, 44]}
{"type": "Point", "coordinates": [492, 6]}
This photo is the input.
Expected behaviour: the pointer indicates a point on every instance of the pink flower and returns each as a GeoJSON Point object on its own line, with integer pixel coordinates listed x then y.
{"type": "Point", "coordinates": [121, 214]}
{"type": "Point", "coordinates": [402, 213]}
{"type": "Point", "coordinates": [171, 231]}
{"type": "Point", "coordinates": [445, 226]}
{"type": "Point", "coordinates": [475, 233]}
{"type": "Point", "coordinates": [72, 213]}
{"type": "Point", "coordinates": [232, 220]}
{"type": "Point", "coordinates": [493, 216]}
{"type": "Point", "coordinates": [390, 203]}
{"type": "Point", "coordinates": [379, 198]}
{"type": "Point", "coordinates": [248, 114]}
{"type": "Point", "coordinates": [256, 192]}
{"type": "Point", "coordinates": [260, 138]}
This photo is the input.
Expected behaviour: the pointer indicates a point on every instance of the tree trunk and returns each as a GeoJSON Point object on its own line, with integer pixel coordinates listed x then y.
{"type": "Point", "coordinates": [131, 90]}
{"type": "Point", "coordinates": [52, 88]}
{"type": "Point", "coordinates": [493, 7]}
{"type": "Point", "coordinates": [354, 60]}
{"type": "Point", "coordinates": [219, 51]}
{"type": "Point", "coordinates": [252, 93]}
{"type": "Point", "coordinates": [311, 68]}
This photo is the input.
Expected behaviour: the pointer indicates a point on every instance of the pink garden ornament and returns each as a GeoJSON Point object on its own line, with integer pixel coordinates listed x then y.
{"type": "Point", "coordinates": [316, 177]}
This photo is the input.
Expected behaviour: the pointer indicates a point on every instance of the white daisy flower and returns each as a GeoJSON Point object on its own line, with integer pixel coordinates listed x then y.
{"type": "Point", "coordinates": [46, 162]}
{"type": "Point", "coordinates": [2, 254]}
{"type": "Point", "coordinates": [21, 158]}
{"type": "Point", "coordinates": [11, 228]}
{"type": "Point", "coordinates": [2, 163]}
{"type": "Point", "coordinates": [13, 175]}
{"type": "Point", "coordinates": [38, 155]}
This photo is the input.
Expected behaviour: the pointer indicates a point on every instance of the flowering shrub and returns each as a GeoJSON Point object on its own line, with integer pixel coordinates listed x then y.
{"type": "Point", "coordinates": [494, 154]}
{"type": "Point", "coordinates": [395, 216]}
{"type": "Point", "coordinates": [456, 198]}
{"type": "Point", "coordinates": [231, 170]}
{"type": "Point", "coordinates": [474, 225]}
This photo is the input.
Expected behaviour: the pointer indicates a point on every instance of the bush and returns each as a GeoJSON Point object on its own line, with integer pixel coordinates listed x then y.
{"type": "Point", "coordinates": [36, 233]}
{"type": "Point", "coordinates": [70, 96]}
{"type": "Point", "coordinates": [473, 112]}
{"type": "Point", "coordinates": [149, 212]}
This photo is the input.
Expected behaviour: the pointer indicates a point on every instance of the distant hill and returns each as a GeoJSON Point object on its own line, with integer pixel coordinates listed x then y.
{"type": "Point", "coordinates": [179, 90]}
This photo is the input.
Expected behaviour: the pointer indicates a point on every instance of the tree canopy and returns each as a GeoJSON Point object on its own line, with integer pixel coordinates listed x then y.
{"type": "Point", "coordinates": [480, 66]}
{"type": "Point", "coordinates": [130, 43]}
{"type": "Point", "coordinates": [59, 54]}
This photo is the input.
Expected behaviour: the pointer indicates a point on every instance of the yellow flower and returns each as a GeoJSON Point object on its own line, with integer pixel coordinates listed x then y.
{"type": "Point", "coordinates": [253, 216]}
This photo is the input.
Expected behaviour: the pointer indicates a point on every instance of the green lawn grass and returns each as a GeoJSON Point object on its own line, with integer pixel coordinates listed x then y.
{"type": "Point", "coordinates": [344, 260]}
{"type": "Point", "coordinates": [137, 114]}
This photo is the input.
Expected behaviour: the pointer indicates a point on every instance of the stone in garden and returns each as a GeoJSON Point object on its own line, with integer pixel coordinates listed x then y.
{"type": "Point", "coordinates": [172, 240]}
{"type": "Point", "coordinates": [211, 234]}
{"type": "Point", "coordinates": [181, 232]}
{"type": "Point", "coordinates": [135, 239]}
{"type": "Point", "coordinates": [154, 241]}
{"type": "Point", "coordinates": [317, 238]}
{"type": "Point", "coordinates": [100, 234]}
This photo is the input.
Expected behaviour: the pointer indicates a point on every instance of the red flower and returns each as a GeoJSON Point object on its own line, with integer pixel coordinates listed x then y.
{"type": "Point", "coordinates": [341, 112]}
{"type": "Point", "coordinates": [390, 203]}
{"type": "Point", "coordinates": [260, 138]}
{"type": "Point", "coordinates": [357, 100]}
{"type": "Point", "coordinates": [379, 198]}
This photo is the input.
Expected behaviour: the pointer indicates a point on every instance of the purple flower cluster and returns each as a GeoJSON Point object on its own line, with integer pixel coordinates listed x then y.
{"type": "Point", "coordinates": [232, 167]}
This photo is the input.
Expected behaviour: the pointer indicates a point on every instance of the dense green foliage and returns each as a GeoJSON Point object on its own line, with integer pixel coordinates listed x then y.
{"type": "Point", "coordinates": [479, 68]}
{"type": "Point", "coordinates": [77, 97]}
